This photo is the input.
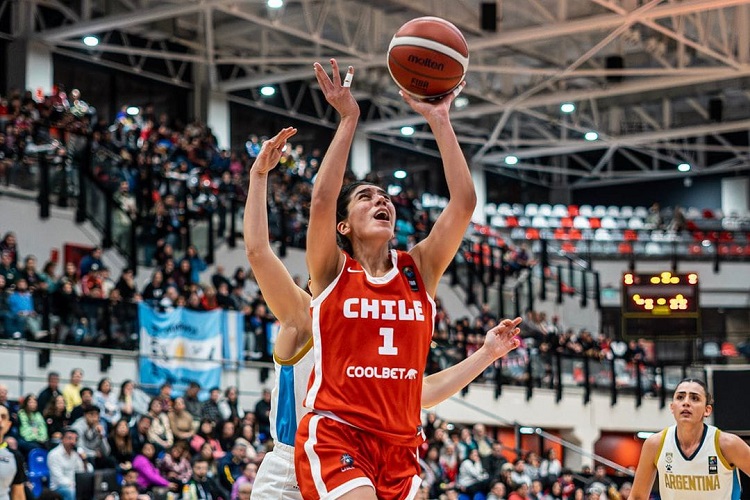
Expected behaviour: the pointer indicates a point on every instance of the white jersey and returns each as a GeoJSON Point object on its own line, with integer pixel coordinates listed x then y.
{"type": "Point", "coordinates": [288, 395]}
{"type": "Point", "coordinates": [704, 475]}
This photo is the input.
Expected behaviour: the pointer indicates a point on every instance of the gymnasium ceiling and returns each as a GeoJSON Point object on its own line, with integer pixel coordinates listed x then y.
{"type": "Point", "coordinates": [681, 95]}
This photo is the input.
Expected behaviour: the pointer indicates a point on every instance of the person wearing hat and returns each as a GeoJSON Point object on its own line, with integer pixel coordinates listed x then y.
{"type": "Point", "coordinates": [93, 438]}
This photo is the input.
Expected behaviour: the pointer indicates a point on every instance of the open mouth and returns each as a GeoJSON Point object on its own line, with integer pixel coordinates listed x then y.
{"type": "Point", "coordinates": [382, 215]}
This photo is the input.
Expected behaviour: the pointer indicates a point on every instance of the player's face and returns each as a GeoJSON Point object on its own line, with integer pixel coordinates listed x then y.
{"type": "Point", "coordinates": [689, 403]}
{"type": "Point", "coordinates": [370, 210]}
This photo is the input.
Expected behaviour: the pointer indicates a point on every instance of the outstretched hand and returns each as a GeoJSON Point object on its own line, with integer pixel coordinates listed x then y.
{"type": "Point", "coordinates": [434, 108]}
{"type": "Point", "coordinates": [502, 339]}
{"type": "Point", "coordinates": [337, 93]}
{"type": "Point", "coordinates": [270, 151]}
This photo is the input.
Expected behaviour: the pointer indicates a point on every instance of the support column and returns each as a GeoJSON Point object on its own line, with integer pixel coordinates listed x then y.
{"type": "Point", "coordinates": [479, 179]}
{"type": "Point", "coordinates": [39, 72]}
{"type": "Point", "coordinates": [586, 439]}
{"type": "Point", "coordinates": [360, 157]}
{"type": "Point", "coordinates": [23, 22]}
{"type": "Point", "coordinates": [200, 92]}
{"type": "Point", "coordinates": [219, 119]}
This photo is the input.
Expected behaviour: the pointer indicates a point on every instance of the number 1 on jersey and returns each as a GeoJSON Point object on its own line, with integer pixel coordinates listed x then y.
{"type": "Point", "coordinates": [387, 349]}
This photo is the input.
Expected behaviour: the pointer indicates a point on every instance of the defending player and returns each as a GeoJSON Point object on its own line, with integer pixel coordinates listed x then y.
{"type": "Point", "coordinates": [694, 460]}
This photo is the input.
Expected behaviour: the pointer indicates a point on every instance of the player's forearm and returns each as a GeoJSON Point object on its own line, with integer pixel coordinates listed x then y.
{"type": "Point", "coordinates": [457, 173]}
{"type": "Point", "coordinates": [331, 173]}
{"type": "Point", "coordinates": [438, 387]}
{"type": "Point", "coordinates": [255, 224]}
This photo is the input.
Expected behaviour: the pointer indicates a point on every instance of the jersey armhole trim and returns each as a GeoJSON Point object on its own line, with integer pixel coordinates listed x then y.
{"type": "Point", "coordinates": [718, 450]}
{"type": "Point", "coordinates": [661, 446]}
{"type": "Point", "coordinates": [297, 357]}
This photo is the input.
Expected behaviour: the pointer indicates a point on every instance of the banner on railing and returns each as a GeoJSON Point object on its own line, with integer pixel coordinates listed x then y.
{"type": "Point", "coordinates": [180, 346]}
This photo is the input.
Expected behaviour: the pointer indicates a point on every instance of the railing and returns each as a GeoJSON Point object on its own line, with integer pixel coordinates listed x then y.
{"type": "Point", "coordinates": [482, 270]}
{"type": "Point", "coordinates": [534, 369]}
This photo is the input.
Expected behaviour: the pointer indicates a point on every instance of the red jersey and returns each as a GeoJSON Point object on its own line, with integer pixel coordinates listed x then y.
{"type": "Point", "coordinates": [371, 337]}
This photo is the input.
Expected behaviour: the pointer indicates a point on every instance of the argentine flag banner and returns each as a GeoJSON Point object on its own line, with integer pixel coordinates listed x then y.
{"type": "Point", "coordinates": [180, 346]}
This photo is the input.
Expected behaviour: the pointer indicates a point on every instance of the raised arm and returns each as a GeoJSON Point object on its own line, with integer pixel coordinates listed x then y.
{"type": "Point", "coordinates": [285, 299]}
{"type": "Point", "coordinates": [433, 254]}
{"type": "Point", "coordinates": [646, 471]}
{"type": "Point", "coordinates": [323, 255]}
{"type": "Point", "coordinates": [498, 342]}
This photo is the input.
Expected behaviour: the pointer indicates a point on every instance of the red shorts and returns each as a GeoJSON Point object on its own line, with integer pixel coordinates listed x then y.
{"type": "Point", "coordinates": [332, 458]}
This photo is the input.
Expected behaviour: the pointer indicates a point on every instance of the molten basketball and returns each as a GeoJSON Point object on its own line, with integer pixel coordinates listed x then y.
{"type": "Point", "coordinates": [428, 57]}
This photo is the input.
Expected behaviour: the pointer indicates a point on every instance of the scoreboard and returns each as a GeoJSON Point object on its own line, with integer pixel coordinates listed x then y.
{"type": "Point", "coordinates": [660, 305]}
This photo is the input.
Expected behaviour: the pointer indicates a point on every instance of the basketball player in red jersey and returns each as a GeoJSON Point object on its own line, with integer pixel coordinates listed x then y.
{"type": "Point", "coordinates": [372, 316]}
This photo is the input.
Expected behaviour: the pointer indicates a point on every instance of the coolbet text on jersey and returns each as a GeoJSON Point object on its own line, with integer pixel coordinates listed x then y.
{"type": "Point", "coordinates": [372, 336]}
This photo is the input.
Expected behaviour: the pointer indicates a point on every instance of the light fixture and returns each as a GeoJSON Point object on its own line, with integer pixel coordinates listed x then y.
{"type": "Point", "coordinates": [591, 136]}
{"type": "Point", "coordinates": [399, 174]}
{"type": "Point", "coordinates": [461, 102]}
{"type": "Point", "coordinates": [267, 91]}
{"type": "Point", "coordinates": [275, 4]}
{"type": "Point", "coordinates": [90, 41]}
{"type": "Point", "coordinates": [133, 110]}
{"type": "Point", "coordinates": [527, 430]}
{"type": "Point", "coordinates": [407, 130]}
{"type": "Point", "coordinates": [645, 434]}
{"type": "Point", "coordinates": [394, 189]}
{"type": "Point", "coordinates": [683, 167]}
{"type": "Point", "coordinates": [511, 160]}
{"type": "Point", "coordinates": [567, 107]}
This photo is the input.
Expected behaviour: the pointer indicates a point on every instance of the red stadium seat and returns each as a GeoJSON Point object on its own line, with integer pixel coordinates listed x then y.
{"type": "Point", "coordinates": [568, 247]}
{"type": "Point", "coordinates": [630, 235]}
{"type": "Point", "coordinates": [625, 248]}
{"type": "Point", "coordinates": [595, 223]}
{"type": "Point", "coordinates": [560, 234]}
{"type": "Point", "coordinates": [566, 222]}
{"type": "Point", "coordinates": [511, 221]}
{"type": "Point", "coordinates": [532, 233]}
{"type": "Point", "coordinates": [695, 249]}
{"type": "Point", "coordinates": [575, 234]}
{"type": "Point", "coordinates": [572, 210]}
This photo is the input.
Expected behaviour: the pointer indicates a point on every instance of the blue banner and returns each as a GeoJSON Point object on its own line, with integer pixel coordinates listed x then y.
{"type": "Point", "coordinates": [233, 332]}
{"type": "Point", "coordinates": [180, 346]}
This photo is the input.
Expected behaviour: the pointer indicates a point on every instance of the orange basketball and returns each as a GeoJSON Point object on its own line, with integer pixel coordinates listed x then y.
{"type": "Point", "coordinates": [428, 57]}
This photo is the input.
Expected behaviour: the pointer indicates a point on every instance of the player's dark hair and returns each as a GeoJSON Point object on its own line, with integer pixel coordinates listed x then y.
{"type": "Point", "coordinates": [709, 396]}
{"type": "Point", "coordinates": [342, 212]}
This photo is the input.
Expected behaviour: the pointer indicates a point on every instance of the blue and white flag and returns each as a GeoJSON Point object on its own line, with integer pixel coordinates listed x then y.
{"type": "Point", "coordinates": [180, 346]}
{"type": "Point", "coordinates": [233, 330]}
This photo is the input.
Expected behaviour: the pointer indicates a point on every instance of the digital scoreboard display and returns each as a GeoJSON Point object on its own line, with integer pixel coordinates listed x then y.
{"type": "Point", "coordinates": [661, 304]}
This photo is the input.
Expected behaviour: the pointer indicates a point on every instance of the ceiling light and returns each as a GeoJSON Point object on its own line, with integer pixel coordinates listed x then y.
{"type": "Point", "coordinates": [133, 110]}
{"type": "Point", "coordinates": [275, 4]}
{"type": "Point", "coordinates": [461, 102]}
{"type": "Point", "coordinates": [407, 130]}
{"type": "Point", "coordinates": [645, 434]}
{"type": "Point", "coordinates": [511, 160]}
{"type": "Point", "coordinates": [567, 107]}
{"type": "Point", "coordinates": [527, 430]}
{"type": "Point", "coordinates": [267, 91]}
{"type": "Point", "coordinates": [591, 136]}
{"type": "Point", "coordinates": [399, 174]}
{"type": "Point", "coordinates": [90, 41]}
{"type": "Point", "coordinates": [683, 167]}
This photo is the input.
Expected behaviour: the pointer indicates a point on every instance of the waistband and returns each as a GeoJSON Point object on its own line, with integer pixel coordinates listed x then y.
{"type": "Point", "coordinates": [283, 450]}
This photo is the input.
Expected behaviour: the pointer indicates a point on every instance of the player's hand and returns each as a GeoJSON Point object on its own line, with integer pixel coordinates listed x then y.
{"type": "Point", "coordinates": [502, 339]}
{"type": "Point", "coordinates": [433, 109]}
{"type": "Point", "coordinates": [270, 151]}
{"type": "Point", "coordinates": [337, 92]}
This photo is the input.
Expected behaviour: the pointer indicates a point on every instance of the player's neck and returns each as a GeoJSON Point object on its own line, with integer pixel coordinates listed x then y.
{"type": "Point", "coordinates": [689, 436]}
{"type": "Point", "coordinates": [376, 261]}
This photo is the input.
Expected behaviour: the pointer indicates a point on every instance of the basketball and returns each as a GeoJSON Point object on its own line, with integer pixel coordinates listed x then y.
{"type": "Point", "coordinates": [428, 57]}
